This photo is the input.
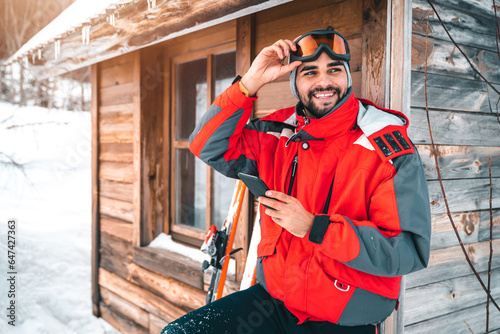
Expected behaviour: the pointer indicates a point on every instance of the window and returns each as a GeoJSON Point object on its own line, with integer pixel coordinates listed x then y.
{"type": "Point", "coordinates": [200, 195]}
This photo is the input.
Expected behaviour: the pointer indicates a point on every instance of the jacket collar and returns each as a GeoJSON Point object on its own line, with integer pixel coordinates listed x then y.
{"type": "Point", "coordinates": [338, 121]}
{"type": "Point", "coordinates": [350, 113]}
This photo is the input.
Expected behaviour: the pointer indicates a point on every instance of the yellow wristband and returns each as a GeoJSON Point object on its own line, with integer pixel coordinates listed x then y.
{"type": "Point", "coordinates": [243, 89]}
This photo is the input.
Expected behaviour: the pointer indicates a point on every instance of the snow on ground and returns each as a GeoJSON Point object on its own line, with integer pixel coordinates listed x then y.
{"type": "Point", "coordinates": [51, 201]}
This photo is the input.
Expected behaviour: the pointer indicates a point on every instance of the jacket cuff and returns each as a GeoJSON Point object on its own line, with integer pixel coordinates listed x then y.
{"type": "Point", "coordinates": [318, 230]}
{"type": "Point", "coordinates": [239, 99]}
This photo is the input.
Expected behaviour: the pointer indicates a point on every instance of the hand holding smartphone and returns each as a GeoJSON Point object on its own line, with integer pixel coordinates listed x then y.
{"type": "Point", "coordinates": [255, 185]}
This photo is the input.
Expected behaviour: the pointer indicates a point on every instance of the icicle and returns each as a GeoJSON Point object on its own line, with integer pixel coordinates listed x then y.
{"type": "Point", "coordinates": [57, 49]}
{"type": "Point", "coordinates": [111, 19]}
{"type": "Point", "coordinates": [86, 34]}
{"type": "Point", "coordinates": [151, 4]}
{"type": "Point", "coordinates": [33, 58]}
{"type": "Point", "coordinates": [26, 61]}
{"type": "Point", "coordinates": [39, 53]}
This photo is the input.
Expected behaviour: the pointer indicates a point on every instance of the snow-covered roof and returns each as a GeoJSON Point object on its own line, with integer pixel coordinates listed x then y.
{"type": "Point", "coordinates": [92, 31]}
{"type": "Point", "coordinates": [77, 14]}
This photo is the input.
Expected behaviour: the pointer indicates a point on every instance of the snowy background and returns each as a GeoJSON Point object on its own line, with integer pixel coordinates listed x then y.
{"type": "Point", "coordinates": [51, 201]}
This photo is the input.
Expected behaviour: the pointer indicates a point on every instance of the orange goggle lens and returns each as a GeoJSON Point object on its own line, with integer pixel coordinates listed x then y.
{"type": "Point", "coordinates": [308, 45]}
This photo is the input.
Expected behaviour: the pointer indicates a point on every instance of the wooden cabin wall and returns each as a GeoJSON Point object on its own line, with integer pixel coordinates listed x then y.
{"type": "Point", "coordinates": [446, 296]}
{"type": "Point", "coordinates": [139, 290]}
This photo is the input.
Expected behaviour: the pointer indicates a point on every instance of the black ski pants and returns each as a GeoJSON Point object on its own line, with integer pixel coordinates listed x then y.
{"type": "Point", "coordinates": [252, 311]}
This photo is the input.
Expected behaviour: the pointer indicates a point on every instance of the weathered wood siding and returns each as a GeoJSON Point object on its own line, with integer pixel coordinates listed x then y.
{"type": "Point", "coordinates": [140, 289]}
{"type": "Point", "coordinates": [441, 298]}
{"type": "Point", "coordinates": [116, 148]}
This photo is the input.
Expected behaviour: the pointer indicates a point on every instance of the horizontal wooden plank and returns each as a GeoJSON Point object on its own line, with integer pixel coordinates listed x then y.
{"type": "Point", "coordinates": [454, 128]}
{"type": "Point", "coordinates": [458, 322]}
{"type": "Point", "coordinates": [116, 116]}
{"type": "Point", "coordinates": [176, 292]}
{"type": "Point", "coordinates": [437, 299]}
{"type": "Point", "coordinates": [116, 190]}
{"type": "Point", "coordinates": [111, 136]}
{"type": "Point", "coordinates": [120, 60]}
{"type": "Point", "coordinates": [115, 255]}
{"type": "Point", "coordinates": [116, 152]}
{"type": "Point", "coordinates": [356, 83]}
{"type": "Point", "coordinates": [472, 227]}
{"type": "Point", "coordinates": [171, 264]}
{"type": "Point", "coordinates": [113, 108]}
{"type": "Point", "coordinates": [117, 94]}
{"type": "Point", "coordinates": [449, 263]}
{"type": "Point", "coordinates": [156, 324]}
{"type": "Point", "coordinates": [289, 9]}
{"type": "Point", "coordinates": [274, 96]}
{"type": "Point", "coordinates": [230, 286]}
{"type": "Point", "coordinates": [124, 308]}
{"type": "Point", "coordinates": [116, 171]}
{"type": "Point", "coordinates": [484, 226]}
{"type": "Point", "coordinates": [118, 74]}
{"type": "Point", "coordinates": [469, 22]}
{"type": "Point", "coordinates": [450, 93]}
{"type": "Point", "coordinates": [444, 236]}
{"type": "Point", "coordinates": [463, 195]}
{"type": "Point", "coordinates": [121, 323]}
{"type": "Point", "coordinates": [116, 245]}
{"type": "Point", "coordinates": [274, 23]}
{"type": "Point", "coordinates": [116, 133]}
{"type": "Point", "coordinates": [444, 58]}
{"type": "Point", "coordinates": [460, 162]}
{"type": "Point", "coordinates": [355, 45]}
{"type": "Point", "coordinates": [116, 208]}
{"type": "Point", "coordinates": [117, 228]}
{"type": "Point", "coordinates": [219, 35]}
{"type": "Point", "coordinates": [139, 296]}
{"type": "Point", "coordinates": [494, 97]}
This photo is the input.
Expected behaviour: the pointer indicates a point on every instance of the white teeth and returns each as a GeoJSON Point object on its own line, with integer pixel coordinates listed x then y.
{"type": "Point", "coordinates": [323, 95]}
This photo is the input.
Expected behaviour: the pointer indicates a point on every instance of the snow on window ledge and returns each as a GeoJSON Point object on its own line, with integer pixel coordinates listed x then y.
{"type": "Point", "coordinates": [164, 241]}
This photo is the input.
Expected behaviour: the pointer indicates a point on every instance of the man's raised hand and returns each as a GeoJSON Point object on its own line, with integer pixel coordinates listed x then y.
{"type": "Point", "coordinates": [268, 65]}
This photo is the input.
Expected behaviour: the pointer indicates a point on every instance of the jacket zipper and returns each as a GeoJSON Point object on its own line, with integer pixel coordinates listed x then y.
{"type": "Point", "coordinates": [292, 177]}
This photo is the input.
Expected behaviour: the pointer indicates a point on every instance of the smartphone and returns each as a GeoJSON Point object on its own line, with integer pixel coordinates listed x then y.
{"type": "Point", "coordinates": [255, 185]}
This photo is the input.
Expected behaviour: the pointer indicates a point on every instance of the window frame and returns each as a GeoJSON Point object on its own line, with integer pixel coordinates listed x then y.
{"type": "Point", "coordinates": [183, 233]}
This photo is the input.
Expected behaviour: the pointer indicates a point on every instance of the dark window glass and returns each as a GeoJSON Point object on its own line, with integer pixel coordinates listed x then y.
{"type": "Point", "coordinates": [191, 95]}
{"type": "Point", "coordinates": [225, 71]}
{"type": "Point", "coordinates": [190, 172]}
{"type": "Point", "coordinates": [222, 187]}
{"type": "Point", "coordinates": [191, 191]}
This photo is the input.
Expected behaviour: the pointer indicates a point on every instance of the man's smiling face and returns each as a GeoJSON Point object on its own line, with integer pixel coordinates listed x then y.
{"type": "Point", "coordinates": [321, 84]}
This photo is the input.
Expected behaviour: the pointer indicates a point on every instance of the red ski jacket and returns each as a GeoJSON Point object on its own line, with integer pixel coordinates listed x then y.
{"type": "Point", "coordinates": [356, 170]}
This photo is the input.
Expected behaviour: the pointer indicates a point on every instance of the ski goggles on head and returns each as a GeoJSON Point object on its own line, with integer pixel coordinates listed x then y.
{"type": "Point", "coordinates": [312, 44]}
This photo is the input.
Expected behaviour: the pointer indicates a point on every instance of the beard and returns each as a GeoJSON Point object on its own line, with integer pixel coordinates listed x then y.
{"type": "Point", "coordinates": [317, 110]}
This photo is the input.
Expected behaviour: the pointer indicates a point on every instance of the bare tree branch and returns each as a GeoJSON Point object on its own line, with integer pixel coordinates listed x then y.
{"type": "Point", "coordinates": [438, 170]}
